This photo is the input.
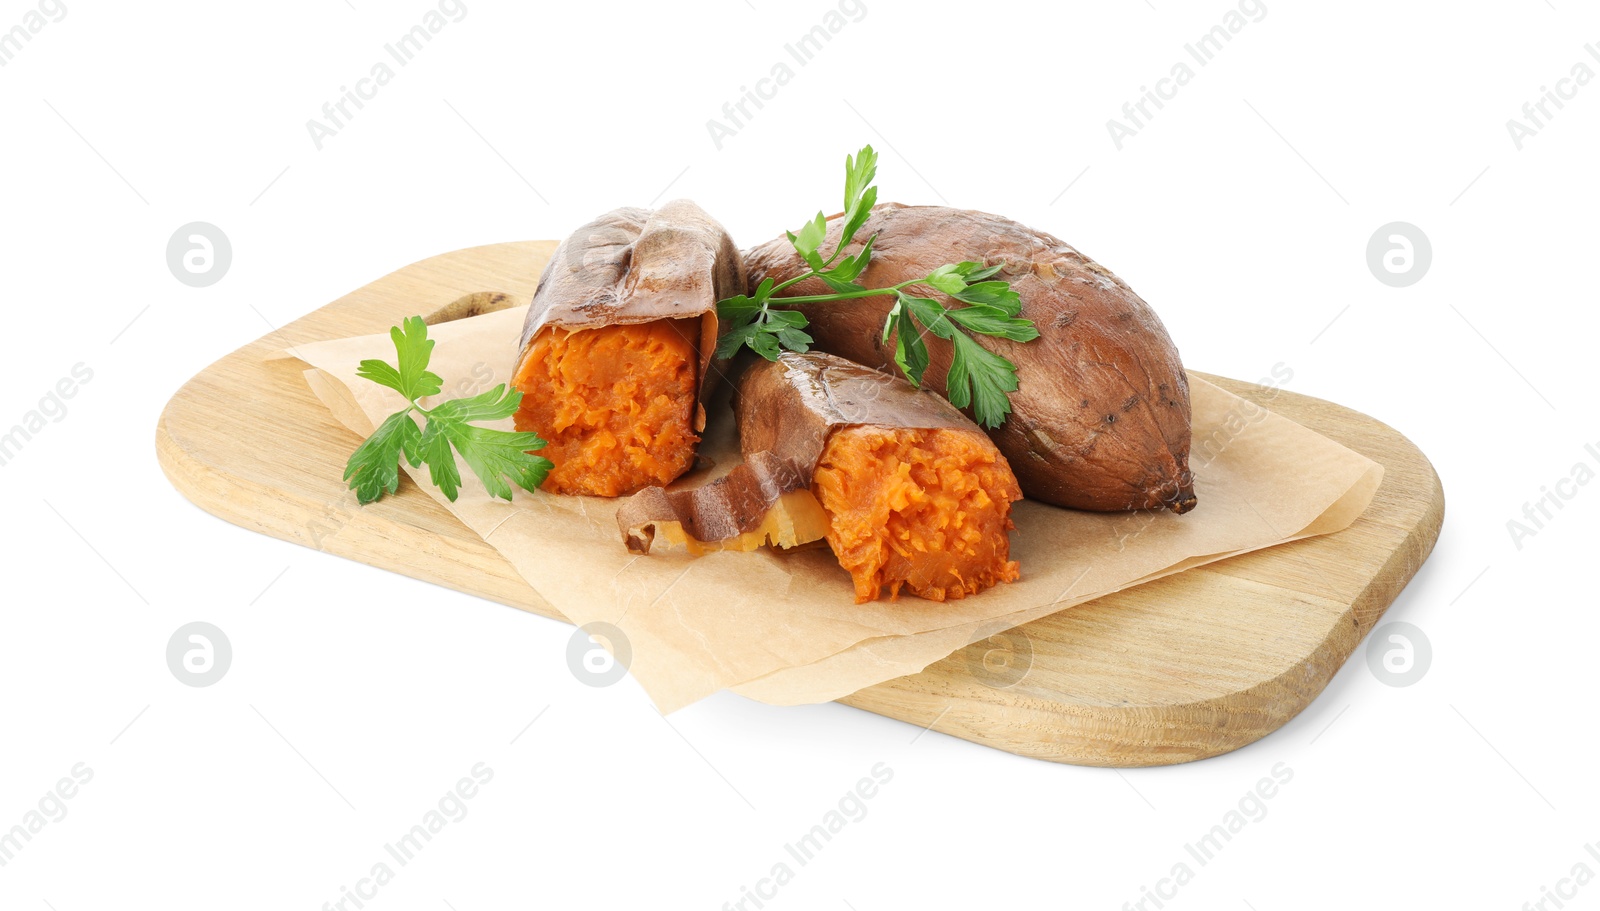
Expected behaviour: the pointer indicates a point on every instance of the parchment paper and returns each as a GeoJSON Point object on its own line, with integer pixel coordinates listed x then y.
{"type": "Point", "coordinates": [783, 627]}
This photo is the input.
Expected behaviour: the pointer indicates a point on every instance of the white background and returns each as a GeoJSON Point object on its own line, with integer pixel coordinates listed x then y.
{"type": "Point", "coordinates": [1242, 212]}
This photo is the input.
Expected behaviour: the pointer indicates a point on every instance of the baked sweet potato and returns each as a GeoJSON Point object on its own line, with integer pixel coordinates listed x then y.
{"type": "Point", "coordinates": [615, 352]}
{"type": "Point", "coordinates": [914, 496]}
{"type": "Point", "coordinates": [1100, 420]}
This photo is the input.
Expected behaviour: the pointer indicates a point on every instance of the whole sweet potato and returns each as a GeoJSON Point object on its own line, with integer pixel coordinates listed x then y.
{"type": "Point", "coordinates": [1100, 420]}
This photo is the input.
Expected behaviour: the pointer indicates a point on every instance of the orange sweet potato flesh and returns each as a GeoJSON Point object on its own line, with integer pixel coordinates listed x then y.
{"type": "Point", "coordinates": [614, 359]}
{"type": "Point", "coordinates": [615, 404]}
{"type": "Point", "coordinates": [923, 510]}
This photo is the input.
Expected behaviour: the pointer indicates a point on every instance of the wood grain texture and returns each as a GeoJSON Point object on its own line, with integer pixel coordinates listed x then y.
{"type": "Point", "coordinates": [1179, 669]}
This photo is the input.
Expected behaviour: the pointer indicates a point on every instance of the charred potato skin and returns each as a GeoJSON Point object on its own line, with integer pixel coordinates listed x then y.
{"type": "Point", "coordinates": [1101, 420]}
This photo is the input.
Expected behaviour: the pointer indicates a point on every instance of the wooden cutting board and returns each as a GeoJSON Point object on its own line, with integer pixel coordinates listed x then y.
{"type": "Point", "coordinates": [1179, 669]}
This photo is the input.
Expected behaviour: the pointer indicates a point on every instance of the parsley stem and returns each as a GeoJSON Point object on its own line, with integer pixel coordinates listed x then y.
{"type": "Point", "coordinates": [844, 295]}
{"type": "Point", "coordinates": [793, 281]}
{"type": "Point", "coordinates": [814, 273]}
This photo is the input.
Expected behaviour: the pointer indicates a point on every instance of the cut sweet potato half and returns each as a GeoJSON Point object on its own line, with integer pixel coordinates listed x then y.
{"type": "Point", "coordinates": [616, 350]}
{"type": "Point", "coordinates": [909, 493]}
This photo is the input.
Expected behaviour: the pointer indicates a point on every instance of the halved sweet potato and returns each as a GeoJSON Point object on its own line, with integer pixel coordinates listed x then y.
{"type": "Point", "coordinates": [912, 494]}
{"type": "Point", "coordinates": [615, 353]}
{"type": "Point", "coordinates": [1101, 418]}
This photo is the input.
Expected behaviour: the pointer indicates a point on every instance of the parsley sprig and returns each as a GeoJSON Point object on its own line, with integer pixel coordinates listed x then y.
{"type": "Point", "coordinates": [493, 455]}
{"type": "Point", "coordinates": [977, 377]}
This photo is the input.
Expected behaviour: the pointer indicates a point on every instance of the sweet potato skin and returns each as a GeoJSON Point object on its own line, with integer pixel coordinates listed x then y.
{"type": "Point", "coordinates": [1101, 418]}
{"type": "Point", "coordinates": [763, 499]}
{"type": "Point", "coordinates": [793, 406]}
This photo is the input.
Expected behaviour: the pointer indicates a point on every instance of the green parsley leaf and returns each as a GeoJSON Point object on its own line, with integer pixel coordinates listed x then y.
{"type": "Point", "coordinates": [738, 308]}
{"type": "Point", "coordinates": [734, 339]}
{"type": "Point", "coordinates": [842, 278]}
{"type": "Point", "coordinates": [442, 469]}
{"type": "Point", "coordinates": [851, 267]}
{"type": "Point", "coordinates": [493, 455]}
{"type": "Point", "coordinates": [981, 378]}
{"type": "Point", "coordinates": [991, 294]}
{"type": "Point", "coordinates": [859, 172]}
{"type": "Point", "coordinates": [857, 215]}
{"type": "Point", "coordinates": [794, 339]}
{"type": "Point", "coordinates": [809, 239]}
{"type": "Point", "coordinates": [381, 373]}
{"type": "Point", "coordinates": [374, 468]}
{"type": "Point", "coordinates": [413, 349]}
{"type": "Point", "coordinates": [978, 274]}
{"type": "Point", "coordinates": [859, 194]}
{"type": "Point", "coordinates": [929, 313]}
{"type": "Point", "coordinates": [780, 318]}
{"type": "Point", "coordinates": [910, 351]}
{"type": "Point", "coordinates": [765, 344]}
{"type": "Point", "coordinates": [946, 279]}
{"type": "Point", "coordinates": [994, 321]}
{"type": "Point", "coordinates": [493, 405]}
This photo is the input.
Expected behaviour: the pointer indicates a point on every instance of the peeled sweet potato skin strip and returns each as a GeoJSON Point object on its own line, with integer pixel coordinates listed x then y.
{"type": "Point", "coordinates": [761, 500]}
